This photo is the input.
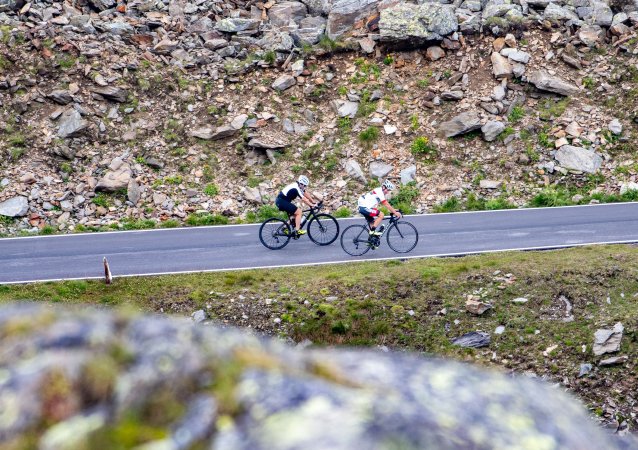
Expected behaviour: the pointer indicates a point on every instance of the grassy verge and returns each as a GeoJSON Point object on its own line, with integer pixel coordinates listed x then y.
{"type": "Point", "coordinates": [419, 305]}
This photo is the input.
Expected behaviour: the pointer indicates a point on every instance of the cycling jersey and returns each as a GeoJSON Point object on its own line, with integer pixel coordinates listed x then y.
{"type": "Point", "coordinates": [371, 199]}
{"type": "Point", "coordinates": [292, 191]}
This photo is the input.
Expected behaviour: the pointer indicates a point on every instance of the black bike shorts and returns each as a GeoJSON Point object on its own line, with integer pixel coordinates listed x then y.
{"type": "Point", "coordinates": [284, 205]}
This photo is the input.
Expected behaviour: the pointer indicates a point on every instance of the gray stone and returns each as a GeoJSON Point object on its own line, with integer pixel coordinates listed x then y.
{"type": "Point", "coordinates": [9, 5]}
{"type": "Point", "coordinates": [434, 53]}
{"type": "Point", "coordinates": [133, 192]}
{"type": "Point", "coordinates": [14, 207]}
{"type": "Point", "coordinates": [362, 399]}
{"type": "Point", "coordinates": [614, 361]}
{"type": "Point", "coordinates": [367, 45]}
{"type": "Point", "coordinates": [344, 13]}
{"type": "Point", "coordinates": [253, 195]}
{"type": "Point", "coordinates": [519, 56]}
{"type": "Point", "coordinates": [215, 44]}
{"type": "Point", "coordinates": [578, 158]}
{"type": "Point", "coordinates": [546, 82]}
{"type": "Point", "coordinates": [463, 123]}
{"type": "Point", "coordinates": [558, 13]}
{"type": "Point", "coordinates": [199, 316]}
{"type": "Point", "coordinates": [282, 13]}
{"type": "Point", "coordinates": [408, 175]}
{"type": "Point", "coordinates": [590, 35]}
{"type": "Point", "coordinates": [608, 341]}
{"type": "Point", "coordinates": [267, 142]}
{"type": "Point", "coordinates": [345, 108]}
{"type": "Point", "coordinates": [235, 25]}
{"type": "Point", "coordinates": [602, 14]}
{"type": "Point", "coordinates": [585, 369]}
{"type": "Point", "coordinates": [452, 95]}
{"type": "Point", "coordinates": [118, 28]}
{"type": "Point", "coordinates": [62, 97]}
{"type": "Point", "coordinates": [615, 127]}
{"type": "Point", "coordinates": [474, 339]}
{"type": "Point", "coordinates": [113, 93]}
{"type": "Point", "coordinates": [490, 184]}
{"type": "Point", "coordinates": [501, 67]}
{"type": "Point", "coordinates": [102, 5]}
{"type": "Point", "coordinates": [353, 169]}
{"type": "Point", "coordinates": [284, 82]}
{"type": "Point", "coordinates": [492, 129]}
{"type": "Point", "coordinates": [71, 124]}
{"type": "Point", "coordinates": [420, 23]}
{"type": "Point", "coordinates": [380, 169]}
{"type": "Point", "coordinates": [276, 41]}
{"type": "Point", "coordinates": [477, 307]}
{"type": "Point", "coordinates": [115, 180]}
{"type": "Point", "coordinates": [310, 31]}
{"type": "Point", "coordinates": [202, 132]}
{"type": "Point", "coordinates": [238, 122]}
{"type": "Point", "coordinates": [498, 8]}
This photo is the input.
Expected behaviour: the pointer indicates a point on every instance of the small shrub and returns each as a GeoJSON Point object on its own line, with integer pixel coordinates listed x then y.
{"type": "Point", "coordinates": [423, 83]}
{"type": "Point", "coordinates": [551, 197]}
{"type": "Point", "coordinates": [388, 60]}
{"type": "Point", "coordinates": [343, 213]}
{"type": "Point", "coordinates": [211, 190]}
{"type": "Point", "coordinates": [414, 122]}
{"type": "Point", "coordinates": [206, 219]}
{"type": "Point", "coordinates": [327, 44]}
{"type": "Point", "coordinates": [270, 57]}
{"type": "Point", "coordinates": [368, 136]}
{"type": "Point", "coordinates": [175, 180]}
{"type": "Point", "coordinates": [589, 83]}
{"type": "Point", "coordinates": [422, 146]}
{"type": "Point", "coordinates": [101, 200]}
{"type": "Point", "coordinates": [516, 115]}
{"type": "Point", "coordinates": [404, 197]}
{"type": "Point", "coordinates": [140, 224]}
{"type": "Point", "coordinates": [47, 230]}
{"type": "Point", "coordinates": [452, 204]}
{"type": "Point", "coordinates": [170, 223]}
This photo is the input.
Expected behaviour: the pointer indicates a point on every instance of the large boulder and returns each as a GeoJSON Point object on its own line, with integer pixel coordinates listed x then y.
{"type": "Point", "coordinates": [281, 14]}
{"type": "Point", "coordinates": [310, 31]}
{"type": "Point", "coordinates": [379, 169]}
{"type": "Point", "coordinates": [417, 23]}
{"type": "Point", "coordinates": [276, 41]}
{"type": "Point", "coordinates": [14, 207]}
{"type": "Point", "coordinates": [71, 124]}
{"type": "Point", "coordinates": [318, 7]}
{"type": "Point", "coordinates": [546, 82]}
{"type": "Point", "coordinates": [112, 93]}
{"type": "Point", "coordinates": [578, 158]}
{"type": "Point", "coordinates": [236, 24]}
{"type": "Point", "coordinates": [602, 14]}
{"type": "Point", "coordinates": [344, 14]}
{"type": "Point", "coordinates": [105, 379]}
{"type": "Point", "coordinates": [353, 169]}
{"type": "Point", "coordinates": [463, 123]}
{"type": "Point", "coordinates": [115, 180]}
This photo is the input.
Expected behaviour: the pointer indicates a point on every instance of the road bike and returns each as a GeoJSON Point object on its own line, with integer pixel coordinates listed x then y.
{"type": "Point", "coordinates": [323, 229]}
{"type": "Point", "coordinates": [401, 236]}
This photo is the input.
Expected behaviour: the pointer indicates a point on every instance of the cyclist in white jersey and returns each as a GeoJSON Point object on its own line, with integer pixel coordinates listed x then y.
{"type": "Point", "coordinates": [368, 206]}
{"type": "Point", "coordinates": [284, 200]}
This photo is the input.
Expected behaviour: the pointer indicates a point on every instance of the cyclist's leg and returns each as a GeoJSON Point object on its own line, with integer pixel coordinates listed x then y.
{"type": "Point", "coordinates": [378, 219]}
{"type": "Point", "coordinates": [297, 219]}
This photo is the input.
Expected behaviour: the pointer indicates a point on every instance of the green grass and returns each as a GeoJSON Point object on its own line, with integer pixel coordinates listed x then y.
{"type": "Point", "coordinates": [102, 200]}
{"type": "Point", "coordinates": [211, 190]}
{"type": "Point", "coordinates": [516, 115]}
{"type": "Point", "coordinates": [195, 220]}
{"type": "Point", "coordinates": [422, 146]}
{"type": "Point", "coordinates": [342, 213]}
{"type": "Point", "coordinates": [403, 198]}
{"type": "Point", "coordinates": [369, 136]}
{"type": "Point", "coordinates": [553, 109]}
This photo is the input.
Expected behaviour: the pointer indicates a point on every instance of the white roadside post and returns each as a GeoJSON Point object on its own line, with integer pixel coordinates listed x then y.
{"type": "Point", "coordinates": [108, 278]}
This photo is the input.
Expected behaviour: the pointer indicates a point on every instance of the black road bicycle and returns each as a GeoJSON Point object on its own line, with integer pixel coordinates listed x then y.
{"type": "Point", "coordinates": [401, 236]}
{"type": "Point", "coordinates": [323, 229]}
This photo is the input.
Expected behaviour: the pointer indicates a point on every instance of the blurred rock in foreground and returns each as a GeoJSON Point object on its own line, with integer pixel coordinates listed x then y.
{"type": "Point", "coordinates": [100, 379]}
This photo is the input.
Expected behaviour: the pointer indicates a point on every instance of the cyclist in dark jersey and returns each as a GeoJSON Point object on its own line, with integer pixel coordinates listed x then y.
{"type": "Point", "coordinates": [289, 193]}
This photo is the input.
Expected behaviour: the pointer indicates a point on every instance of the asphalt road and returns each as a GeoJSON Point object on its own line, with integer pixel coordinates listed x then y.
{"type": "Point", "coordinates": [79, 256]}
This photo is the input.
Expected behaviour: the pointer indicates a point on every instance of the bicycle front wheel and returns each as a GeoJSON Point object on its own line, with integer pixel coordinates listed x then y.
{"type": "Point", "coordinates": [354, 240]}
{"type": "Point", "coordinates": [402, 237]}
{"type": "Point", "coordinates": [323, 229]}
{"type": "Point", "coordinates": [275, 233]}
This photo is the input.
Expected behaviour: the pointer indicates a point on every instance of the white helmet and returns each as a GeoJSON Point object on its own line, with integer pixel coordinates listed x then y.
{"type": "Point", "coordinates": [303, 180]}
{"type": "Point", "coordinates": [388, 185]}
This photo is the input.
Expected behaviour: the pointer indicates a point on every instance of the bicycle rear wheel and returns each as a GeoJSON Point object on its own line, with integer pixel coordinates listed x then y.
{"type": "Point", "coordinates": [354, 240]}
{"type": "Point", "coordinates": [275, 233]}
{"type": "Point", "coordinates": [323, 229]}
{"type": "Point", "coordinates": [402, 237]}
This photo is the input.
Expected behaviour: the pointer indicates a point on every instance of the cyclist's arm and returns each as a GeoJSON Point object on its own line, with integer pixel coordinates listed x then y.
{"type": "Point", "coordinates": [308, 199]}
{"type": "Point", "coordinates": [392, 210]}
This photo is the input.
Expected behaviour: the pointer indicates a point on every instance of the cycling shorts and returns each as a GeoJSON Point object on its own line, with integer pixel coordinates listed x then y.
{"type": "Point", "coordinates": [285, 205]}
{"type": "Point", "coordinates": [368, 213]}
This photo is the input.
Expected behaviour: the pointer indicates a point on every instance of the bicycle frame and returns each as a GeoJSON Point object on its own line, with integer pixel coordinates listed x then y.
{"type": "Point", "coordinates": [307, 218]}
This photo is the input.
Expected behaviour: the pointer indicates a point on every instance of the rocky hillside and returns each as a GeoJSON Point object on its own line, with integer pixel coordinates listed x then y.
{"type": "Point", "coordinates": [128, 114]}
{"type": "Point", "coordinates": [109, 380]}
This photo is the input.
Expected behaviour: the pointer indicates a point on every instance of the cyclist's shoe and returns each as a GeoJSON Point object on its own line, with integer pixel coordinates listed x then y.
{"type": "Point", "coordinates": [378, 232]}
{"type": "Point", "coordinates": [301, 232]}
{"type": "Point", "coordinates": [286, 231]}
